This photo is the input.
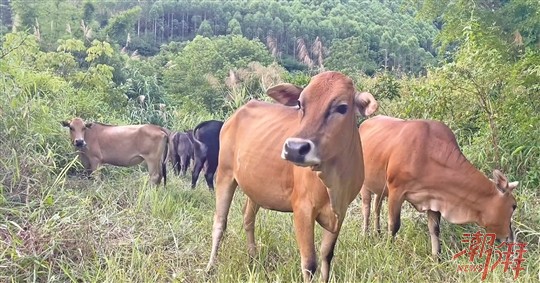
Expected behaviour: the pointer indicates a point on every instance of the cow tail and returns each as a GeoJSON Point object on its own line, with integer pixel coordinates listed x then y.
{"type": "Point", "coordinates": [164, 160]}
{"type": "Point", "coordinates": [199, 145]}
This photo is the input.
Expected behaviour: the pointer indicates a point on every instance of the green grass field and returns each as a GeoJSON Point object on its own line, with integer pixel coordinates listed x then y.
{"type": "Point", "coordinates": [121, 229]}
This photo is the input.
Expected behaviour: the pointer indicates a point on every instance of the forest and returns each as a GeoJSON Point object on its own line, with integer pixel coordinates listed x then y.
{"type": "Point", "coordinates": [474, 65]}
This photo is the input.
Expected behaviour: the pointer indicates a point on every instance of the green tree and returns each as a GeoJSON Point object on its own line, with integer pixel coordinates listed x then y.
{"type": "Point", "coordinates": [205, 29]}
{"type": "Point", "coordinates": [233, 27]}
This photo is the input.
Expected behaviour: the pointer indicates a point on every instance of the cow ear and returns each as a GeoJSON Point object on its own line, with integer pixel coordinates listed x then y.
{"type": "Point", "coordinates": [65, 123]}
{"type": "Point", "coordinates": [501, 182]}
{"type": "Point", "coordinates": [286, 94]}
{"type": "Point", "coordinates": [89, 125]}
{"type": "Point", "coordinates": [365, 103]}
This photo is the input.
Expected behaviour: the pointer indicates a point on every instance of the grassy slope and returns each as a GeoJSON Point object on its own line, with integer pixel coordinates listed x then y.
{"type": "Point", "coordinates": [120, 229]}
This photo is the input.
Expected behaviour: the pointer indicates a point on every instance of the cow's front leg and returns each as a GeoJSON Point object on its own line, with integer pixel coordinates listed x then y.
{"type": "Point", "coordinates": [304, 222]}
{"type": "Point", "coordinates": [434, 219]}
{"type": "Point", "coordinates": [327, 251]}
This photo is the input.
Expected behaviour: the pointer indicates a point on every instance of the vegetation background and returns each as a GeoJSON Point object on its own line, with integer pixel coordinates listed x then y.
{"type": "Point", "coordinates": [473, 64]}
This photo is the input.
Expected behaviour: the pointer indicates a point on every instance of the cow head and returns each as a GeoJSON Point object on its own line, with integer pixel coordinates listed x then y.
{"type": "Point", "coordinates": [326, 111]}
{"type": "Point", "coordinates": [498, 215]}
{"type": "Point", "coordinates": [77, 128]}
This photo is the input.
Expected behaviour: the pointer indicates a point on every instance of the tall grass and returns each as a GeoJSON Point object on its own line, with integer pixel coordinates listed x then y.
{"type": "Point", "coordinates": [58, 227]}
{"type": "Point", "coordinates": [121, 229]}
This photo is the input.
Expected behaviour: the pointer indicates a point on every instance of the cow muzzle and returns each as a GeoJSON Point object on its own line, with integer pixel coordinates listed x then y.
{"type": "Point", "coordinates": [80, 143]}
{"type": "Point", "coordinates": [301, 152]}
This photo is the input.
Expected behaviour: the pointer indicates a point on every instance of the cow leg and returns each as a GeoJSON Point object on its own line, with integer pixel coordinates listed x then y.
{"type": "Point", "coordinates": [434, 219]}
{"type": "Point", "coordinates": [250, 212]}
{"type": "Point", "coordinates": [394, 213]}
{"type": "Point", "coordinates": [176, 163]}
{"type": "Point", "coordinates": [366, 207]}
{"type": "Point", "coordinates": [91, 167]}
{"type": "Point", "coordinates": [211, 167]}
{"type": "Point", "coordinates": [185, 164]}
{"type": "Point", "coordinates": [304, 223]}
{"type": "Point", "coordinates": [209, 177]}
{"type": "Point", "coordinates": [196, 171]}
{"type": "Point", "coordinates": [378, 204]}
{"type": "Point", "coordinates": [226, 187]}
{"type": "Point", "coordinates": [327, 251]}
{"type": "Point", "coordinates": [154, 169]}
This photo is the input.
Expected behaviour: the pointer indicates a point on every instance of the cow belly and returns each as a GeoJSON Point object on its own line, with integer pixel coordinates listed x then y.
{"type": "Point", "coordinates": [423, 201]}
{"type": "Point", "coordinates": [125, 161]}
{"type": "Point", "coordinates": [376, 183]}
{"type": "Point", "coordinates": [268, 192]}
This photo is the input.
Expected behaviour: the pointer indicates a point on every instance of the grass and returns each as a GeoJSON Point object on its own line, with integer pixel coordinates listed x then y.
{"type": "Point", "coordinates": [121, 229]}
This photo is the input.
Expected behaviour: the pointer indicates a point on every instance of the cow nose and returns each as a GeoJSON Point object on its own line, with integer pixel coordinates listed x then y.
{"type": "Point", "coordinates": [80, 143]}
{"type": "Point", "coordinates": [300, 151]}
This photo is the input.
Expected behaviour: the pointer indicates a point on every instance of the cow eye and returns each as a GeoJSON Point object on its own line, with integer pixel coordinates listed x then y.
{"type": "Point", "coordinates": [71, 128]}
{"type": "Point", "coordinates": [299, 104]}
{"type": "Point", "coordinates": [514, 207]}
{"type": "Point", "coordinates": [342, 109]}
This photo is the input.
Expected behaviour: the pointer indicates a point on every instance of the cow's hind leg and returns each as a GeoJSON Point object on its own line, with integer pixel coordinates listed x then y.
{"type": "Point", "coordinates": [434, 219]}
{"type": "Point", "coordinates": [226, 186]}
{"type": "Point", "coordinates": [250, 212]}
{"type": "Point", "coordinates": [185, 164]}
{"type": "Point", "coordinates": [209, 174]}
{"type": "Point", "coordinates": [176, 163]}
{"type": "Point", "coordinates": [394, 212]}
{"type": "Point", "coordinates": [154, 169]}
{"type": "Point", "coordinates": [199, 162]}
{"type": "Point", "coordinates": [366, 207]}
{"type": "Point", "coordinates": [378, 204]}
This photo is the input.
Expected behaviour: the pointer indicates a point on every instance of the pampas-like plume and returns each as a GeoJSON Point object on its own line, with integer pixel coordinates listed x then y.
{"type": "Point", "coordinates": [303, 54]}
{"type": "Point", "coordinates": [317, 50]}
{"type": "Point", "coordinates": [37, 33]}
{"type": "Point", "coordinates": [518, 39]}
{"type": "Point", "coordinates": [87, 31]}
{"type": "Point", "coordinates": [271, 42]}
{"type": "Point", "coordinates": [232, 80]}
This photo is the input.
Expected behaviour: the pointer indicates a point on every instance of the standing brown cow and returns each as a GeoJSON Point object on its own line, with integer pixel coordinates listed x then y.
{"type": "Point", "coordinates": [99, 144]}
{"type": "Point", "coordinates": [305, 159]}
{"type": "Point", "coordinates": [420, 161]}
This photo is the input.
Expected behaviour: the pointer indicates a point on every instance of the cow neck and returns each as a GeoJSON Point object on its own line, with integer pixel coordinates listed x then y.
{"type": "Point", "coordinates": [91, 137]}
{"type": "Point", "coordinates": [342, 175]}
{"type": "Point", "coordinates": [473, 193]}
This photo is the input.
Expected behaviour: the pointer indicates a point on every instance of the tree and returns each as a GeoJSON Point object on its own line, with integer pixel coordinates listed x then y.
{"type": "Point", "coordinates": [233, 27]}
{"type": "Point", "coordinates": [205, 29]}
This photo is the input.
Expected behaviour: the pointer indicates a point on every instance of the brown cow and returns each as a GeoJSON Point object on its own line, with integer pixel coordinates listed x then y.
{"type": "Point", "coordinates": [99, 144]}
{"type": "Point", "coordinates": [420, 161]}
{"type": "Point", "coordinates": [319, 138]}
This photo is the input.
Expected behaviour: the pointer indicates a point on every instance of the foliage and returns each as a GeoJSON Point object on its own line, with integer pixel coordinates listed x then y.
{"type": "Point", "coordinates": [205, 63]}
{"type": "Point", "coordinates": [391, 37]}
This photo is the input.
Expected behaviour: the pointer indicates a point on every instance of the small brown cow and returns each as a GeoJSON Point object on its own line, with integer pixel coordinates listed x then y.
{"type": "Point", "coordinates": [99, 144]}
{"type": "Point", "coordinates": [305, 159]}
{"type": "Point", "coordinates": [420, 161]}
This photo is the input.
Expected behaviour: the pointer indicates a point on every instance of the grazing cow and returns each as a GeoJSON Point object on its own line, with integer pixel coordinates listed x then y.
{"type": "Point", "coordinates": [180, 152]}
{"type": "Point", "coordinates": [206, 150]}
{"type": "Point", "coordinates": [420, 161]}
{"type": "Point", "coordinates": [305, 159]}
{"type": "Point", "coordinates": [99, 144]}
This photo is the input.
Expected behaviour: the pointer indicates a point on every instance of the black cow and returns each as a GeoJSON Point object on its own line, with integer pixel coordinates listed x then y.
{"type": "Point", "coordinates": [206, 150]}
{"type": "Point", "coordinates": [181, 151]}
